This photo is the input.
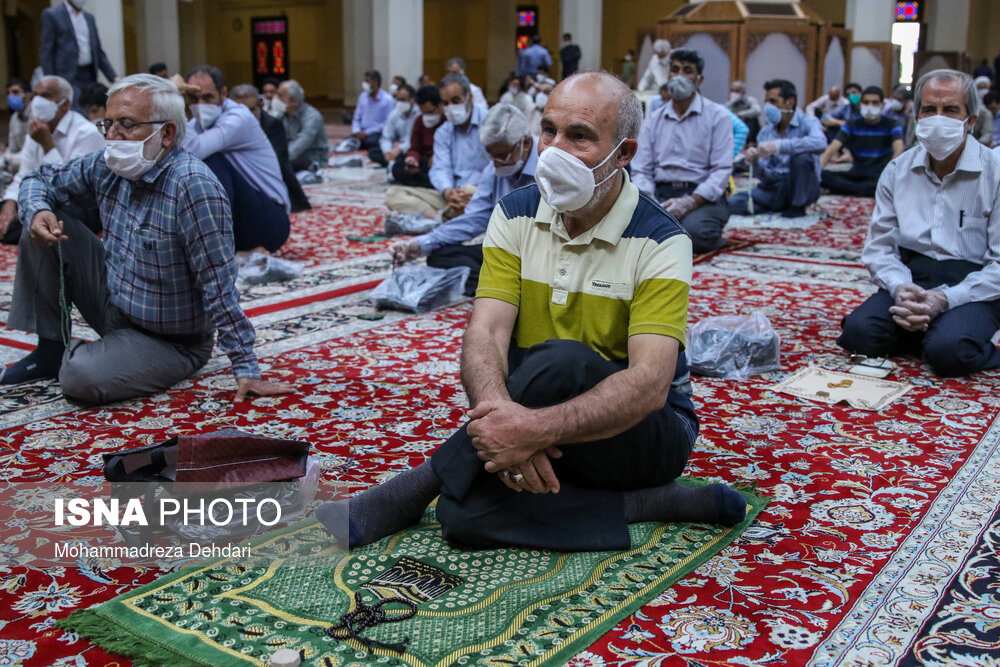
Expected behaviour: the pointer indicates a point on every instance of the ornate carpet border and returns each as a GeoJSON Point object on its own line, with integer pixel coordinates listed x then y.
{"type": "Point", "coordinates": [888, 616]}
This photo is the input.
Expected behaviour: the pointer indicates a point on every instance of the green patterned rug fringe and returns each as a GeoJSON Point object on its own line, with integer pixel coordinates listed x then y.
{"type": "Point", "coordinates": [496, 607]}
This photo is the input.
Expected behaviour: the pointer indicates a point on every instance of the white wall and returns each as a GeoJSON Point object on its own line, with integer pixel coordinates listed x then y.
{"type": "Point", "coordinates": [776, 58]}
{"type": "Point", "coordinates": [717, 69]}
{"type": "Point", "coordinates": [834, 65]}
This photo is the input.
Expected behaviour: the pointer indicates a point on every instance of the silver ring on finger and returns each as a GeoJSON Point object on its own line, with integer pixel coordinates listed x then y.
{"type": "Point", "coordinates": [505, 473]}
{"type": "Point", "coordinates": [518, 477]}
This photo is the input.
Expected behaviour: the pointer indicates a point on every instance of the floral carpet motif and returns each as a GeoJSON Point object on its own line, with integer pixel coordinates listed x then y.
{"type": "Point", "coordinates": [872, 514]}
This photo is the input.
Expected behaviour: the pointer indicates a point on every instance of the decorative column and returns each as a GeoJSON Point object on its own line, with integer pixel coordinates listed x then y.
{"type": "Point", "coordinates": [111, 30]}
{"type": "Point", "coordinates": [386, 35]}
{"type": "Point", "coordinates": [874, 60]}
{"type": "Point", "coordinates": [159, 37]}
{"type": "Point", "coordinates": [582, 19]}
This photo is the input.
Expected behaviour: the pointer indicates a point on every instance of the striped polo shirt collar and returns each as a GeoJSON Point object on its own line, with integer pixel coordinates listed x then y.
{"type": "Point", "coordinates": [971, 159]}
{"type": "Point", "coordinates": [609, 229]}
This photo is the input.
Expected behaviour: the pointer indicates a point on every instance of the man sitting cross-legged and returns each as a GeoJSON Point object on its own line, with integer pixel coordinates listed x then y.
{"type": "Point", "coordinates": [160, 282]}
{"type": "Point", "coordinates": [576, 429]}
{"type": "Point", "coordinates": [873, 141]}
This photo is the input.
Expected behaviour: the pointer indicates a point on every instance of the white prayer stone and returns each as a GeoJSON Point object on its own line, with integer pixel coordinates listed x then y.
{"type": "Point", "coordinates": [286, 657]}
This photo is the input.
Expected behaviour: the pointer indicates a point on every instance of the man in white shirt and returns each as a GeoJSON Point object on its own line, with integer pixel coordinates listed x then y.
{"type": "Point", "coordinates": [828, 103]}
{"type": "Point", "coordinates": [933, 247]}
{"type": "Point", "coordinates": [395, 138]}
{"type": "Point", "coordinates": [56, 134]}
{"type": "Point", "coordinates": [746, 107]}
{"type": "Point", "coordinates": [658, 70]}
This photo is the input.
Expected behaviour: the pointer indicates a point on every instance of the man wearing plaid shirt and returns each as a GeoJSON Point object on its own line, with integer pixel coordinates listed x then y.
{"type": "Point", "coordinates": [161, 282]}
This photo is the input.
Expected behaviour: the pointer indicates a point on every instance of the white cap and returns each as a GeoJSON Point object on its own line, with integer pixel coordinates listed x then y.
{"type": "Point", "coordinates": [285, 657]}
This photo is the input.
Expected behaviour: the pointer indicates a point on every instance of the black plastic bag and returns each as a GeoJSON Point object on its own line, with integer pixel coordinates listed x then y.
{"type": "Point", "coordinates": [733, 347]}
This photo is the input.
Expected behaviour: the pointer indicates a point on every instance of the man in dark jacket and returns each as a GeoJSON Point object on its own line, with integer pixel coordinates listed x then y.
{"type": "Point", "coordinates": [70, 46]}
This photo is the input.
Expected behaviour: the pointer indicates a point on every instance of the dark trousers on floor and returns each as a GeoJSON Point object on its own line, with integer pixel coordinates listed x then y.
{"type": "Point", "coordinates": [419, 179]}
{"type": "Point", "coordinates": [450, 256]}
{"type": "Point", "coordinates": [777, 192]}
{"type": "Point", "coordinates": [858, 182]}
{"type": "Point", "coordinates": [375, 154]}
{"type": "Point", "coordinates": [956, 344]}
{"type": "Point", "coordinates": [126, 361]}
{"type": "Point", "coordinates": [258, 221]}
{"type": "Point", "coordinates": [704, 224]}
{"type": "Point", "coordinates": [476, 509]}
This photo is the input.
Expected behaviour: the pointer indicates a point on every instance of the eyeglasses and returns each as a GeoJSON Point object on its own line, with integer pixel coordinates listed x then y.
{"type": "Point", "coordinates": [124, 125]}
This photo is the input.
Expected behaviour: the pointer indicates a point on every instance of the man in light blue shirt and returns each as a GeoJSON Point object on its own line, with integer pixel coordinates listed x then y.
{"type": "Point", "coordinates": [529, 58]}
{"type": "Point", "coordinates": [228, 138]}
{"type": "Point", "coordinates": [787, 156]}
{"type": "Point", "coordinates": [374, 107]}
{"type": "Point", "coordinates": [395, 140]}
{"type": "Point", "coordinates": [513, 155]}
{"type": "Point", "coordinates": [459, 157]}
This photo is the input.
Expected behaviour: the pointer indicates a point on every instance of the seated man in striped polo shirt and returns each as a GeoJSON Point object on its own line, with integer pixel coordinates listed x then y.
{"type": "Point", "coordinates": [572, 360]}
{"type": "Point", "coordinates": [873, 140]}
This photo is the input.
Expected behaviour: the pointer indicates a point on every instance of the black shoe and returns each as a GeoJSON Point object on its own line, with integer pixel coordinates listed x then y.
{"type": "Point", "coordinates": [794, 212]}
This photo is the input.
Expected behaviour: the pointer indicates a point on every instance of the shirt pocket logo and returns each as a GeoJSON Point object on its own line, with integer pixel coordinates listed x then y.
{"type": "Point", "coordinates": [608, 288]}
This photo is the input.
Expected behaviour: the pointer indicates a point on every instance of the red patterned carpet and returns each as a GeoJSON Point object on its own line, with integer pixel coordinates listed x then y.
{"type": "Point", "coordinates": [873, 514]}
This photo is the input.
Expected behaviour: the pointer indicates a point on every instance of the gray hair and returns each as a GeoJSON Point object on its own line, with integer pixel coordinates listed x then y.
{"type": "Point", "coordinates": [295, 90]}
{"type": "Point", "coordinates": [661, 45]}
{"type": "Point", "coordinates": [455, 61]}
{"type": "Point", "coordinates": [244, 90]}
{"type": "Point", "coordinates": [741, 84]}
{"type": "Point", "coordinates": [967, 88]}
{"type": "Point", "coordinates": [504, 124]}
{"type": "Point", "coordinates": [62, 85]}
{"type": "Point", "coordinates": [166, 103]}
{"type": "Point", "coordinates": [460, 79]}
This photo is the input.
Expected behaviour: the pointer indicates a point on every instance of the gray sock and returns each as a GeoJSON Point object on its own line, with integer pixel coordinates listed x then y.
{"type": "Point", "coordinates": [384, 509]}
{"type": "Point", "coordinates": [673, 502]}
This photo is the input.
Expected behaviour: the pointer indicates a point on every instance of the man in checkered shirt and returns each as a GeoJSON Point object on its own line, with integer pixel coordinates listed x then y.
{"type": "Point", "coordinates": [158, 285]}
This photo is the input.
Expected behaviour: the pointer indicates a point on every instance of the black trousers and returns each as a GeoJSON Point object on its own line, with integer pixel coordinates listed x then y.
{"type": "Point", "coordinates": [858, 182]}
{"type": "Point", "coordinates": [450, 256]}
{"type": "Point", "coordinates": [257, 220]}
{"type": "Point", "coordinates": [419, 179]}
{"type": "Point", "coordinates": [375, 153]}
{"type": "Point", "coordinates": [476, 509]}
{"type": "Point", "coordinates": [957, 342]}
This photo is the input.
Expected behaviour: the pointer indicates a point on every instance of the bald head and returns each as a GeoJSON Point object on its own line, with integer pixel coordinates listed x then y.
{"type": "Point", "coordinates": [603, 98]}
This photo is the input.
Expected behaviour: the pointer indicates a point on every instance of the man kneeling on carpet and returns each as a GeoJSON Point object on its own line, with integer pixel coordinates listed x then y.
{"type": "Point", "coordinates": [576, 428]}
{"type": "Point", "coordinates": [513, 155]}
{"type": "Point", "coordinates": [933, 246]}
{"type": "Point", "coordinates": [160, 283]}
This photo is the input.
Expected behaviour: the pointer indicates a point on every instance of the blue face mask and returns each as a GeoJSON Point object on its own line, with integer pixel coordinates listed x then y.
{"type": "Point", "coordinates": [15, 102]}
{"type": "Point", "coordinates": [772, 113]}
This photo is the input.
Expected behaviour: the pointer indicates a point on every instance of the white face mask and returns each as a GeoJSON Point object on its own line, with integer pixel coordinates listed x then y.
{"type": "Point", "coordinates": [43, 109]}
{"type": "Point", "coordinates": [940, 135]}
{"type": "Point", "coordinates": [430, 119]}
{"type": "Point", "coordinates": [366, 87]}
{"type": "Point", "coordinates": [735, 97]}
{"type": "Point", "coordinates": [540, 100]}
{"type": "Point", "coordinates": [128, 158]}
{"type": "Point", "coordinates": [981, 92]}
{"type": "Point", "coordinates": [456, 114]}
{"type": "Point", "coordinates": [206, 114]}
{"type": "Point", "coordinates": [871, 111]}
{"type": "Point", "coordinates": [564, 181]}
{"type": "Point", "coordinates": [680, 87]}
{"type": "Point", "coordinates": [277, 109]}
{"type": "Point", "coordinates": [506, 170]}
{"type": "Point", "coordinates": [404, 107]}
{"type": "Point", "coordinates": [393, 88]}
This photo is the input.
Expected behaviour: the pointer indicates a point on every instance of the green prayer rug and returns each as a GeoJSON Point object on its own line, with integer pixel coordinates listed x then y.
{"type": "Point", "coordinates": [493, 607]}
